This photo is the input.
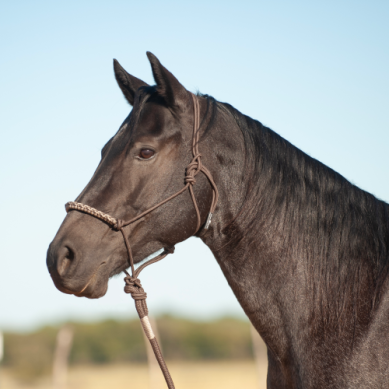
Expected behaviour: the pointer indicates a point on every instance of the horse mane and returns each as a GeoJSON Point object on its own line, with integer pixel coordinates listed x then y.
{"type": "Point", "coordinates": [340, 230]}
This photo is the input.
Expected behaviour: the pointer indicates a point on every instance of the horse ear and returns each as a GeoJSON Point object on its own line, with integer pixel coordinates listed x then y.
{"type": "Point", "coordinates": [168, 86]}
{"type": "Point", "coordinates": [127, 83]}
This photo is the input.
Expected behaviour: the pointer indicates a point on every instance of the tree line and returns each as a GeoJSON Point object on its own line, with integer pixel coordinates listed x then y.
{"type": "Point", "coordinates": [29, 355]}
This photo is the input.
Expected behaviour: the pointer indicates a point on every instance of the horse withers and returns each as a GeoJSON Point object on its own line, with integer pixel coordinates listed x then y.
{"type": "Point", "coordinates": [305, 251]}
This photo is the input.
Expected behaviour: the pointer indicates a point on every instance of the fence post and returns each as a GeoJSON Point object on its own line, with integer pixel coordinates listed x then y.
{"type": "Point", "coordinates": [62, 350]}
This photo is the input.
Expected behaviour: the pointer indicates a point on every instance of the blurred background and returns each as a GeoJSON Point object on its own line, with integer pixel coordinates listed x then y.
{"type": "Point", "coordinates": [315, 72]}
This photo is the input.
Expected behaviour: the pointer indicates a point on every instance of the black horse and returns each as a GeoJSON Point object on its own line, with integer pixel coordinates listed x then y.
{"type": "Point", "coordinates": [305, 251]}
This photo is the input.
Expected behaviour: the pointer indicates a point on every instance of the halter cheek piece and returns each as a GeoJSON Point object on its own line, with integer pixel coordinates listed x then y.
{"type": "Point", "coordinates": [133, 285]}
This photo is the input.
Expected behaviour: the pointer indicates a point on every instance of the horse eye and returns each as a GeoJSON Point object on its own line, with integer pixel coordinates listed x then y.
{"type": "Point", "coordinates": [146, 153]}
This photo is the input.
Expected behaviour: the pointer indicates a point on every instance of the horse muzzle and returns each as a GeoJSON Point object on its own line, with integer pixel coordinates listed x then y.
{"type": "Point", "coordinates": [73, 277]}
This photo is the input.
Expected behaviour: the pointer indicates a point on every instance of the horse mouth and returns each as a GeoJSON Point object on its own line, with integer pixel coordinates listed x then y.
{"type": "Point", "coordinates": [95, 287]}
{"type": "Point", "coordinates": [92, 289]}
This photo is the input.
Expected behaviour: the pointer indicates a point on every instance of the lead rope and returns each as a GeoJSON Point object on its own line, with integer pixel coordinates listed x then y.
{"type": "Point", "coordinates": [133, 285]}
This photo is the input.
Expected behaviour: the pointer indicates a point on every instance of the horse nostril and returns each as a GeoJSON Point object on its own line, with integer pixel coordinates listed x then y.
{"type": "Point", "coordinates": [65, 260]}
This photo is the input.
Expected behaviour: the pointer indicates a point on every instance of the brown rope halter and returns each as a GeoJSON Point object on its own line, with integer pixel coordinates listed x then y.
{"type": "Point", "coordinates": [133, 284]}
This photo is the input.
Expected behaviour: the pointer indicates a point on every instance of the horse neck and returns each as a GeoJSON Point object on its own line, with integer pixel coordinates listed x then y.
{"type": "Point", "coordinates": [269, 232]}
{"type": "Point", "coordinates": [240, 237]}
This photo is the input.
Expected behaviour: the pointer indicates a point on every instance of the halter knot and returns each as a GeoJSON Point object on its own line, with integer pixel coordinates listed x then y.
{"type": "Point", "coordinates": [134, 287]}
{"type": "Point", "coordinates": [118, 225]}
{"type": "Point", "coordinates": [193, 169]}
{"type": "Point", "coordinates": [190, 180]}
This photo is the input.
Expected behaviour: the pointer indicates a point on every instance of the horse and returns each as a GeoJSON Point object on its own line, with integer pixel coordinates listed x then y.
{"type": "Point", "coordinates": [305, 251]}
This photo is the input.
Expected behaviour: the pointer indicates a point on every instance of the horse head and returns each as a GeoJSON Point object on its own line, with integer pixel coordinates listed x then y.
{"type": "Point", "coordinates": [145, 162]}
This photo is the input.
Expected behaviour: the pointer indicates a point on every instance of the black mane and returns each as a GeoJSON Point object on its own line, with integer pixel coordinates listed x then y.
{"type": "Point", "coordinates": [340, 230]}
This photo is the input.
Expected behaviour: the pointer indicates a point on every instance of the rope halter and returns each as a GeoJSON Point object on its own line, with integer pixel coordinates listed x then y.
{"type": "Point", "coordinates": [133, 285]}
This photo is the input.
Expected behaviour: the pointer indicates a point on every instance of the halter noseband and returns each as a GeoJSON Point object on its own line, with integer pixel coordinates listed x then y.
{"type": "Point", "coordinates": [133, 285]}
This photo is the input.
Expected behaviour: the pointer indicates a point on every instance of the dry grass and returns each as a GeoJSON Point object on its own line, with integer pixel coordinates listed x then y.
{"type": "Point", "coordinates": [186, 375]}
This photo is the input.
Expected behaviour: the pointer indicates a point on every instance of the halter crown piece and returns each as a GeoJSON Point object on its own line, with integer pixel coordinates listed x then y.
{"type": "Point", "coordinates": [133, 285]}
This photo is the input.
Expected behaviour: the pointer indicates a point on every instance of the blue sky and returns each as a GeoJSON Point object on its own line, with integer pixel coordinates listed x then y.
{"type": "Point", "coordinates": [315, 72]}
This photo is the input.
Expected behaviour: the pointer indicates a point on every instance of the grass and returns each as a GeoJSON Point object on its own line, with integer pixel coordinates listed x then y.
{"type": "Point", "coordinates": [186, 375]}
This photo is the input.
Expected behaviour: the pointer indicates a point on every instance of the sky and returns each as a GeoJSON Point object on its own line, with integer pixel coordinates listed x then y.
{"type": "Point", "coordinates": [314, 72]}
